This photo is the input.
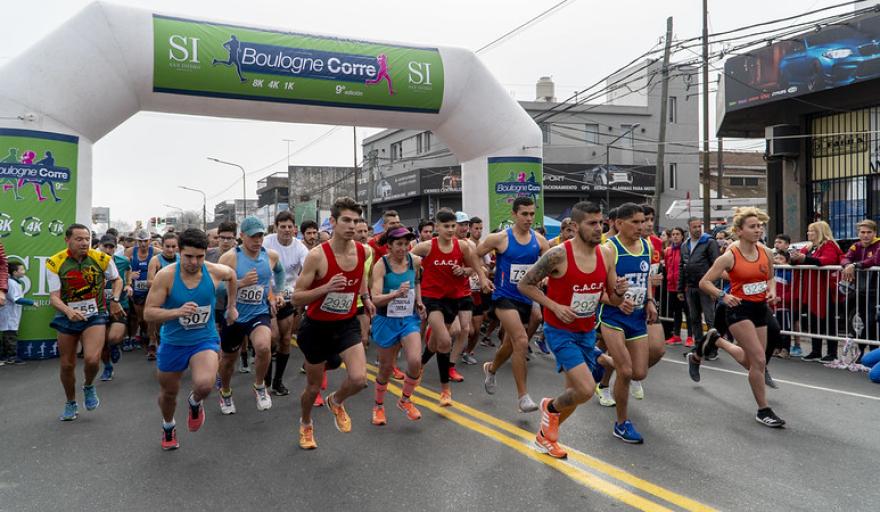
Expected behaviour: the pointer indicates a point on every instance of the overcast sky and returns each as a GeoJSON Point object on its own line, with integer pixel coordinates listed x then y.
{"type": "Point", "coordinates": [577, 46]}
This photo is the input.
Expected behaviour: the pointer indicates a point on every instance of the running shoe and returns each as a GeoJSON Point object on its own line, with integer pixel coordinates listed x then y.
{"type": "Point", "coordinates": [768, 418]}
{"type": "Point", "coordinates": [542, 345]}
{"type": "Point", "coordinates": [627, 433]}
{"type": "Point", "coordinates": [227, 406]}
{"type": "Point", "coordinates": [708, 347]}
{"type": "Point", "coordinates": [397, 374]}
{"type": "Point", "coordinates": [379, 415]}
{"type": "Point", "coordinates": [196, 417]}
{"type": "Point", "coordinates": [711, 356]}
{"type": "Point", "coordinates": [279, 389]}
{"type": "Point", "coordinates": [169, 439]}
{"type": "Point", "coordinates": [549, 422]}
{"type": "Point", "coordinates": [526, 404]}
{"type": "Point", "coordinates": [126, 345]}
{"type": "Point", "coordinates": [636, 389]}
{"type": "Point", "coordinates": [487, 342]}
{"type": "Point", "coordinates": [812, 356]}
{"type": "Point", "coordinates": [307, 437]}
{"type": "Point", "coordinates": [115, 353]}
{"type": "Point", "coordinates": [606, 398]}
{"type": "Point", "coordinates": [673, 340]}
{"type": "Point", "coordinates": [107, 375]}
{"type": "Point", "coordinates": [264, 401]}
{"type": "Point", "coordinates": [409, 408]}
{"type": "Point", "coordinates": [828, 359]}
{"type": "Point", "coordinates": [783, 354]}
{"type": "Point", "coordinates": [768, 380]}
{"type": "Point", "coordinates": [454, 376]}
{"type": "Point", "coordinates": [468, 358]}
{"type": "Point", "coordinates": [319, 401]}
{"type": "Point", "coordinates": [689, 342]}
{"type": "Point", "coordinates": [489, 379]}
{"type": "Point", "coordinates": [340, 417]}
{"type": "Point", "coordinates": [91, 400]}
{"type": "Point", "coordinates": [693, 367]}
{"type": "Point", "coordinates": [244, 368]}
{"type": "Point", "coordinates": [151, 353]}
{"type": "Point", "coordinates": [445, 397]}
{"type": "Point", "coordinates": [551, 448]}
{"type": "Point", "coordinates": [796, 351]}
{"type": "Point", "coordinates": [2, 362]}
{"type": "Point", "coordinates": [18, 361]}
{"type": "Point", "coordinates": [70, 411]}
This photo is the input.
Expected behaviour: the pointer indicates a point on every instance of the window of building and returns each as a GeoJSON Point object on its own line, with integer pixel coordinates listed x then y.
{"type": "Point", "coordinates": [419, 144]}
{"type": "Point", "coordinates": [742, 181]}
{"type": "Point", "coordinates": [396, 151]}
{"type": "Point", "coordinates": [426, 142]}
{"type": "Point", "coordinates": [545, 132]}
{"type": "Point", "coordinates": [672, 182]}
{"type": "Point", "coordinates": [672, 109]}
{"type": "Point", "coordinates": [591, 133]}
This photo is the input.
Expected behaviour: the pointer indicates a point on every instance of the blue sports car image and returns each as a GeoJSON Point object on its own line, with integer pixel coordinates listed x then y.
{"type": "Point", "coordinates": [830, 59]}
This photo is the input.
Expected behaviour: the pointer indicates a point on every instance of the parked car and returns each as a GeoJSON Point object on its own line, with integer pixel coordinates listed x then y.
{"type": "Point", "coordinates": [607, 176]}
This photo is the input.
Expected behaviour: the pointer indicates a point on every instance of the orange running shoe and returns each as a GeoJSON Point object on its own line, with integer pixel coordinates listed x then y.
{"type": "Point", "coordinates": [319, 400]}
{"type": "Point", "coordinates": [445, 397]}
{"type": "Point", "coordinates": [454, 376]}
{"type": "Point", "coordinates": [397, 374]}
{"type": "Point", "coordinates": [169, 439]}
{"type": "Point", "coordinates": [340, 417]}
{"type": "Point", "coordinates": [379, 415]}
{"type": "Point", "coordinates": [549, 447]}
{"type": "Point", "coordinates": [307, 437]}
{"type": "Point", "coordinates": [409, 408]}
{"type": "Point", "coordinates": [549, 421]}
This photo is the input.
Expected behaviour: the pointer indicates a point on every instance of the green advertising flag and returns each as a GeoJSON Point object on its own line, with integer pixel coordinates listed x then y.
{"type": "Point", "coordinates": [512, 177]}
{"type": "Point", "coordinates": [229, 61]}
{"type": "Point", "coordinates": [38, 186]}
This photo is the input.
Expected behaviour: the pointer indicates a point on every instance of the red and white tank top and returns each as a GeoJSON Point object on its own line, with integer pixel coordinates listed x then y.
{"type": "Point", "coordinates": [438, 282]}
{"type": "Point", "coordinates": [578, 290]}
{"type": "Point", "coordinates": [339, 305]}
{"type": "Point", "coordinates": [748, 279]}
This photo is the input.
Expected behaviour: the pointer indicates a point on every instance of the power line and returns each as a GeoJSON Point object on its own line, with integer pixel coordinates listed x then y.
{"type": "Point", "coordinates": [532, 21]}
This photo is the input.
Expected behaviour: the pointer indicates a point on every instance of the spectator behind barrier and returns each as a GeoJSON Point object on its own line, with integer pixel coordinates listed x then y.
{"type": "Point", "coordinates": [862, 255]}
{"type": "Point", "coordinates": [698, 253]}
{"type": "Point", "coordinates": [675, 295]}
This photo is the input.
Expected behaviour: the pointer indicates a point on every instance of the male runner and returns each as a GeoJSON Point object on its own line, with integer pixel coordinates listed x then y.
{"type": "Point", "coordinates": [444, 280]}
{"type": "Point", "coordinates": [656, 338]}
{"type": "Point", "coordinates": [517, 248]}
{"type": "Point", "coordinates": [482, 301]}
{"type": "Point", "coordinates": [166, 257]}
{"type": "Point", "coordinates": [624, 327]}
{"type": "Point", "coordinates": [254, 269]}
{"type": "Point", "coordinates": [140, 256]}
{"type": "Point", "coordinates": [391, 221]}
{"type": "Point", "coordinates": [332, 275]}
{"type": "Point", "coordinates": [462, 326]}
{"type": "Point", "coordinates": [182, 299]}
{"type": "Point", "coordinates": [309, 230]}
{"type": "Point", "coordinates": [580, 270]}
{"type": "Point", "coordinates": [396, 292]}
{"type": "Point", "coordinates": [116, 330]}
{"type": "Point", "coordinates": [293, 254]}
{"type": "Point", "coordinates": [76, 277]}
{"type": "Point", "coordinates": [426, 231]}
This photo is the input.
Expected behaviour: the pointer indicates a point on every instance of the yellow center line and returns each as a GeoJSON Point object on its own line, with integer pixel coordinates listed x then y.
{"type": "Point", "coordinates": [589, 461]}
{"type": "Point", "coordinates": [578, 475]}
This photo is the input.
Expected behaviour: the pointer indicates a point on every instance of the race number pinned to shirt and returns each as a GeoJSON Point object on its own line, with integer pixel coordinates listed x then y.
{"type": "Point", "coordinates": [475, 282]}
{"type": "Point", "coordinates": [584, 304]}
{"type": "Point", "coordinates": [197, 320]}
{"type": "Point", "coordinates": [755, 288]}
{"type": "Point", "coordinates": [87, 308]}
{"type": "Point", "coordinates": [401, 307]}
{"type": "Point", "coordinates": [338, 303]}
{"type": "Point", "coordinates": [250, 295]}
{"type": "Point", "coordinates": [517, 272]}
{"type": "Point", "coordinates": [636, 295]}
{"type": "Point", "coordinates": [140, 285]}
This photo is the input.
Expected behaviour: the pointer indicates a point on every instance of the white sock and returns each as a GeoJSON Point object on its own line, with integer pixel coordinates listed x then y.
{"type": "Point", "coordinates": [168, 426]}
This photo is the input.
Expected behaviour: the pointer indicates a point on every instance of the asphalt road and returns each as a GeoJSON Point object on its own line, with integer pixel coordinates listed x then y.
{"type": "Point", "coordinates": [703, 449]}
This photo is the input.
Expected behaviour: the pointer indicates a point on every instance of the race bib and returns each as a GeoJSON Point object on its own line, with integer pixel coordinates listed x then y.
{"type": "Point", "coordinates": [287, 294]}
{"type": "Point", "coordinates": [140, 285]}
{"type": "Point", "coordinates": [401, 307]}
{"type": "Point", "coordinates": [636, 295]}
{"type": "Point", "coordinates": [475, 282]}
{"type": "Point", "coordinates": [584, 304]}
{"type": "Point", "coordinates": [517, 272]}
{"type": "Point", "coordinates": [755, 288]}
{"type": "Point", "coordinates": [197, 320]}
{"type": "Point", "coordinates": [250, 295]}
{"type": "Point", "coordinates": [338, 303]}
{"type": "Point", "coordinates": [88, 308]}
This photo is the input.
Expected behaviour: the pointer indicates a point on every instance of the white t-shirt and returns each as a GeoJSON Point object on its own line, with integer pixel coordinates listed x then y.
{"type": "Point", "coordinates": [10, 313]}
{"type": "Point", "coordinates": [293, 257]}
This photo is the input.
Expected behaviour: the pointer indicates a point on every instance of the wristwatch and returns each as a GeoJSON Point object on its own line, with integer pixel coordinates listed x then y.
{"type": "Point", "coordinates": [722, 294]}
{"type": "Point", "coordinates": [114, 299]}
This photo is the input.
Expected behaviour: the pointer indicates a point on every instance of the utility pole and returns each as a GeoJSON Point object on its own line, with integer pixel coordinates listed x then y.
{"type": "Point", "coordinates": [720, 162]}
{"type": "Point", "coordinates": [664, 106]}
{"type": "Point", "coordinates": [354, 152]}
{"type": "Point", "coordinates": [707, 200]}
{"type": "Point", "coordinates": [374, 154]}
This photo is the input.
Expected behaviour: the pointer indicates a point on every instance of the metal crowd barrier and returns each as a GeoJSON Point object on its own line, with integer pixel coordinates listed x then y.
{"type": "Point", "coordinates": [816, 302]}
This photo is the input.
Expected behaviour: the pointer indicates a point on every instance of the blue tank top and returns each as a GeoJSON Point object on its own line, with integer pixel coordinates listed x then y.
{"type": "Point", "coordinates": [635, 268]}
{"type": "Point", "coordinates": [138, 265]}
{"type": "Point", "coordinates": [392, 281]}
{"type": "Point", "coordinates": [198, 327]}
{"type": "Point", "coordinates": [511, 266]}
{"type": "Point", "coordinates": [164, 263]}
{"type": "Point", "coordinates": [252, 301]}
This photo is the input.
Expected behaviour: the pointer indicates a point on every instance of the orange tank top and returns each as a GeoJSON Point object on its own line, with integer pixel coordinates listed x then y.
{"type": "Point", "coordinates": [748, 279]}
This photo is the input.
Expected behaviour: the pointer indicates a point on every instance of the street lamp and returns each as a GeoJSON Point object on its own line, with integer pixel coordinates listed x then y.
{"type": "Point", "coordinates": [608, 163]}
{"type": "Point", "coordinates": [243, 180]}
{"type": "Point", "coordinates": [204, 206]}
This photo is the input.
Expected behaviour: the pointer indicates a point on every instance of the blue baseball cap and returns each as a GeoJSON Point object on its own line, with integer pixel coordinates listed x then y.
{"type": "Point", "coordinates": [252, 226]}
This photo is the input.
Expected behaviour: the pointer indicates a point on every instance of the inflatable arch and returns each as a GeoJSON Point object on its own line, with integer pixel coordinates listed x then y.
{"type": "Point", "coordinates": [109, 62]}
